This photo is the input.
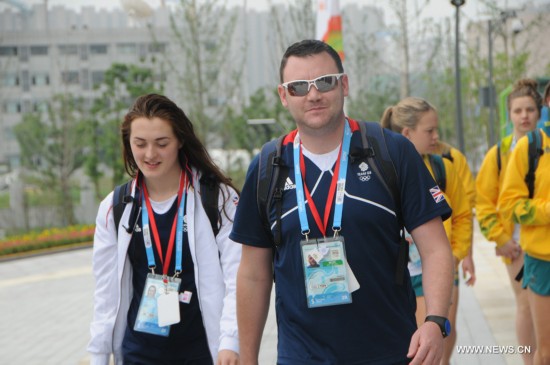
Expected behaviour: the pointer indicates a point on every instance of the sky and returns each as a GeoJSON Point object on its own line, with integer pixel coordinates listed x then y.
{"type": "Point", "coordinates": [473, 9]}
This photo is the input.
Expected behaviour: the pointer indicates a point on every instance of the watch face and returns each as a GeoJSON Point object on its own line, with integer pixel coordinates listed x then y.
{"type": "Point", "coordinates": [447, 327]}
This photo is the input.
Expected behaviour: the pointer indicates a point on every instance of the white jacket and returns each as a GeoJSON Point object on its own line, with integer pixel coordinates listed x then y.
{"type": "Point", "coordinates": [215, 259]}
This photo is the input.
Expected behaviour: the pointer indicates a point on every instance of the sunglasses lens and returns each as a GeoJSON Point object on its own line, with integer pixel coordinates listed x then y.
{"type": "Point", "coordinates": [298, 88]}
{"type": "Point", "coordinates": [326, 83]}
{"type": "Point", "coordinates": [323, 84]}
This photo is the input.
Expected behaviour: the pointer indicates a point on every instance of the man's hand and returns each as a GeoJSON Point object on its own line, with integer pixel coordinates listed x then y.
{"type": "Point", "coordinates": [227, 357]}
{"type": "Point", "coordinates": [426, 345]}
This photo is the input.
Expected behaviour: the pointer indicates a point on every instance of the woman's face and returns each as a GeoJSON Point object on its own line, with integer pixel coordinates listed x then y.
{"type": "Point", "coordinates": [524, 115]}
{"type": "Point", "coordinates": [155, 148]}
{"type": "Point", "coordinates": [425, 135]}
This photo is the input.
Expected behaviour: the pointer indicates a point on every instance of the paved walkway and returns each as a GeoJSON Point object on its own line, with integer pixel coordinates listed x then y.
{"type": "Point", "coordinates": [46, 306]}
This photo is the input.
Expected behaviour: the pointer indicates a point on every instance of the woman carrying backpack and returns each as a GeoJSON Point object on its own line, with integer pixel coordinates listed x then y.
{"type": "Point", "coordinates": [468, 182]}
{"type": "Point", "coordinates": [416, 119]}
{"type": "Point", "coordinates": [165, 250]}
{"type": "Point", "coordinates": [524, 104]}
{"type": "Point", "coordinates": [530, 208]}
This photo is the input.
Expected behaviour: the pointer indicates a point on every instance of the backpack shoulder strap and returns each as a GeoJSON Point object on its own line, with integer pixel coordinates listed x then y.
{"type": "Point", "coordinates": [119, 201]}
{"type": "Point", "coordinates": [372, 136]}
{"type": "Point", "coordinates": [269, 187]}
{"type": "Point", "coordinates": [209, 198]}
{"type": "Point", "coordinates": [534, 153]}
{"type": "Point", "coordinates": [446, 152]}
{"type": "Point", "coordinates": [438, 167]}
{"type": "Point", "coordinates": [374, 142]}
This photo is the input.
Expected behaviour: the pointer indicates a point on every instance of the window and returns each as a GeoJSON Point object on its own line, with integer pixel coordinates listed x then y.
{"type": "Point", "coordinates": [127, 48]}
{"type": "Point", "coordinates": [97, 78]}
{"type": "Point", "coordinates": [68, 49]}
{"type": "Point", "coordinates": [157, 47]}
{"type": "Point", "coordinates": [70, 77]}
{"type": "Point", "coordinates": [39, 50]}
{"type": "Point", "coordinates": [99, 49]}
{"type": "Point", "coordinates": [8, 51]}
{"type": "Point", "coordinates": [40, 106]}
{"type": "Point", "coordinates": [12, 107]}
{"type": "Point", "coordinates": [10, 79]}
{"type": "Point", "coordinates": [40, 79]}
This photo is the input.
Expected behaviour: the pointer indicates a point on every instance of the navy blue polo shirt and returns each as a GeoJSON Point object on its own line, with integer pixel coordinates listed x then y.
{"type": "Point", "coordinates": [377, 326]}
{"type": "Point", "coordinates": [187, 339]}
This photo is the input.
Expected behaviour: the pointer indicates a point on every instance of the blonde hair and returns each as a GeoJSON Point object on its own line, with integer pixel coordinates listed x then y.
{"type": "Point", "coordinates": [406, 113]}
{"type": "Point", "coordinates": [525, 87]}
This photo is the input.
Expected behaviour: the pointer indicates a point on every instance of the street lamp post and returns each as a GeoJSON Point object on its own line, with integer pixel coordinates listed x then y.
{"type": "Point", "coordinates": [490, 82]}
{"type": "Point", "coordinates": [459, 125]}
{"type": "Point", "coordinates": [504, 15]}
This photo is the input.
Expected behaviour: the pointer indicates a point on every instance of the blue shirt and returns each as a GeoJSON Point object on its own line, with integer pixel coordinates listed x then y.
{"type": "Point", "coordinates": [377, 326]}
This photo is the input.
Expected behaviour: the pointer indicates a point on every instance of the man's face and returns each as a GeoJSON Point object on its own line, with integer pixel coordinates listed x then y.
{"type": "Point", "coordinates": [316, 110]}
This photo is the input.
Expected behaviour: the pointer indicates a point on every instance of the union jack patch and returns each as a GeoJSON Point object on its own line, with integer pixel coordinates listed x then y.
{"type": "Point", "coordinates": [437, 194]}
{"type": "Point", "coordinates": [236, 200]}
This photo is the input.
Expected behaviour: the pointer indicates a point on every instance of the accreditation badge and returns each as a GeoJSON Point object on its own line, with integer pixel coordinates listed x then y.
{"type": "Point", "coordinates": [157, 310]}
{"type": "Point", "coordinates": [326, 272]}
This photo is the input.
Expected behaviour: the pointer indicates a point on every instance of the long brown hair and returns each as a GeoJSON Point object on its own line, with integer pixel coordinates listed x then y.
{"type": "Point", "coordinates": [192, 152]}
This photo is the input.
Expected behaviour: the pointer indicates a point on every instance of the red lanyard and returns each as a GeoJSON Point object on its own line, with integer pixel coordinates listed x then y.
{"type": "Point", "coordinates": [165, 260]}
{"type": "Point", "coordinates": [331, 193]}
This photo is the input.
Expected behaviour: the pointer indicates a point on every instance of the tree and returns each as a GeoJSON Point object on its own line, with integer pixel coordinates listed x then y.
{"type": "Point", "coordinates": [294, 23]}
{"type": "Point", "coordinates": [51, 150]}
{"type": "Point", "coordinates": [122, 84]}
{"type": "Point", "coordinates": [204, 63]}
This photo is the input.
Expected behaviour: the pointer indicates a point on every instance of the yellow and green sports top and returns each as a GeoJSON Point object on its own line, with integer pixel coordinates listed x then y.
{"type": "Point", "coordinates": [459, 226]}
{"type": "Point", "coordinates": [462, 169]}
{"type": "Point", "coordinates": [532, 214]}
{"type": "Point", "coordinates": [488, 185]}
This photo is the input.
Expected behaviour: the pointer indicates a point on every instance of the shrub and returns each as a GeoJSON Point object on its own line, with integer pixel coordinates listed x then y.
{"type": "Point", "coordinates": [51, 237]}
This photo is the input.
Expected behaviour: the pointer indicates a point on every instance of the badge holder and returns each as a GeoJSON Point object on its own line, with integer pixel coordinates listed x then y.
{"type": "Point", "coordinates": [159, 306]}
{"type": "Point", "coordinates": [325, 271]}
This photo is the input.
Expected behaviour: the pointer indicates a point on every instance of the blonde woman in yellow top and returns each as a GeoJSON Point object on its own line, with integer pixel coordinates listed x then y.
{"type": "Point", "coordinates": [417, 120]}
{"type": "Point", "coordinates": [524, 105]}
{"type": "Point", "coordinates": [468, 182]}
{"type": "Point", "coordinates": [533, 214]}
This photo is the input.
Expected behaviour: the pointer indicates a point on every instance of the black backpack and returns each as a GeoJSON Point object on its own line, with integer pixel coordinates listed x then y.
{"type": "Point", "coordinates": [534, 153]}
{"type": "Point", "coordinates": [209, 198]}
{"type": "Point", "coordinates": [438, 167]}
{"type": "Point", "coordinates": [272, 174]}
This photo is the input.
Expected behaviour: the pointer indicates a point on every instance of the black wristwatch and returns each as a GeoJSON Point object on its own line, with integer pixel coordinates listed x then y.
{"type": "Point", "coordinates": [442, 322]}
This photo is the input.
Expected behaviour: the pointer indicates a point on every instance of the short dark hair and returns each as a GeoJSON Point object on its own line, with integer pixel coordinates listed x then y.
{"type": "Point", "coordinates": [310, 47]}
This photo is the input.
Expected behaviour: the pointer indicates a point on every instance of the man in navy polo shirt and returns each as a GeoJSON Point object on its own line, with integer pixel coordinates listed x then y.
{"type": "Point", "coordinates": [337, 301]}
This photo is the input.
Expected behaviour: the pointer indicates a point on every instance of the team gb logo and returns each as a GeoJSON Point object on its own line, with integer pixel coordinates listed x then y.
{"type": "Point", "coordinates": [365, 173]}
